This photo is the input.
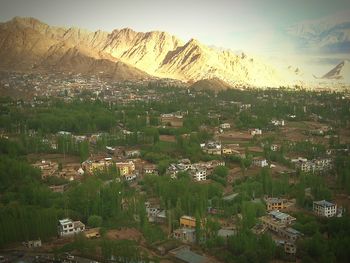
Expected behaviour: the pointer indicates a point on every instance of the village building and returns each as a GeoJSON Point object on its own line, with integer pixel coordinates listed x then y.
{"type": "Point", "coordinates": [184, 254]}
{"type": "Point", "coordinates": [314, 166]}
{"type": "Point", "coordinates": [32, 243]}
{"type": "Point", "coordinates": [150, 169]}
{"type": "Point", "coordinates": [132, 153]}
{"type": "Point", "coordinates": [68, 227]}
{"type": "Point", "coordinates": [273, 203]}
{"type": "Point", "coordinates": [259, 162]}
{"type": "Point", "coordinates": [199, 174]}
{"type": "Point", "coordinates": [277, 122]}
{"type": "Point", "coordinates": [275, 147]}
{"type": "Point", "coordinates": [187, 235]}
{"type": "Point", "coordinates": [290, 248]}
{"type": "Point", "coordinates": [172, 119]}
{"type": "Point", "coordinates": [211, 147]}
{"type": "Point", "coordinates": [125, 168]}
{"type": "Point", "coordinates": [324, 208]}
{"type": "Point", "coordinates": [47, 168]}
{"type": "Point", "coordinates": [90, 166]}
{"type": "Point", "coordinates": [187, 221]}
{"type": "Point", "coordinates": [255, 132]}
{"type": "Point", "coordinates": [225, 126]}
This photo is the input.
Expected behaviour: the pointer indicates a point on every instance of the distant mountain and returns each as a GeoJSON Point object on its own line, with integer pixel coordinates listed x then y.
{"type": "Point", "coordinates": [328, 35]}
{"type": "Point", "coordinates": [29, 44]}
{"type": "Point", "coordinates": [340, 72]}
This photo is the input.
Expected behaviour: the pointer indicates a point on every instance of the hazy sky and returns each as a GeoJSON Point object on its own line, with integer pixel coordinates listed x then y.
{"type": "Point", "coordinates": [255, 26]}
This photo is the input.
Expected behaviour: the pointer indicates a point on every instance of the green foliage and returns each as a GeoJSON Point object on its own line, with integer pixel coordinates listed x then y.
{"type": "Point", "coordinates": [18, 223]}
{"type": "Point", "coordinates": [185, 195]}
{"type": "Point", "coordinates": [94, 221]}
{"type": "Point", "coordinates": [246, 247]}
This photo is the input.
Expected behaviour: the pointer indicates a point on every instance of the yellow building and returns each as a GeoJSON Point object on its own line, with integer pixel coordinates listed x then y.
{"type": "Point", "coordinates": [126, 168]}
{"type": "Point", "coordinates": [275, 204]}
{"type": "Point", "coordinates": [187, 221]}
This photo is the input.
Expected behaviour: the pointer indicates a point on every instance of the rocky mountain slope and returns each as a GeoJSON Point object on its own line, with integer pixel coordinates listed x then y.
{"type": "Point", "coordinates": [29, 44]}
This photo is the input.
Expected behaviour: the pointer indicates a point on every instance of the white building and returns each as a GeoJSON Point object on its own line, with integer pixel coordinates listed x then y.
{"type": "Point", "coordinates": [278, 122]}
{"type": "Point", "coordinates": [225, 126]}
{"type": "Point", "coordinates": [256, 132]}
{"type": "Point", "coordinates": [200, 174]}
{"type": "Point", "coordinates": [274, 147]}
{"type": "Point", "coordinates": [67, 227]}
{"type": "Point", "coordinates": [324, 208]}
{"type": "Point", "coordinates": [260, 162]}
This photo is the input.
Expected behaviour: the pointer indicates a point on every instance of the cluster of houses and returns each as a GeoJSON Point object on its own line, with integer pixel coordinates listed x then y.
{"type": "Point", "coordinates": [126, 168]}
{"type": "Point", "coordinates": [216, 148]}
{"type": "Point", "coordinates": [212, 147]}
{"type": "Point", "coordinates": [279, 224]}
{"type": "Point", "coordinates": [47, 168]}
{"type": "Point", "coordinates": [198, 171]}
{"type": "Point", "coordinates": [172, 119]}
{"type": "Point", "coordinates": [51, 168]}
{"type": "Point", "coordinates": [314, 166]}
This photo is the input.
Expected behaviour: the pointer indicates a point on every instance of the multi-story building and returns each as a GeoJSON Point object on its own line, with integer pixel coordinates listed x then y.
{"type": "Point", "coordinates": [273, 203]}
{"type": "Point", "coordinates": [325, 208]}
{"type": "Point", "coordinates": [67, 227]}
{"type": "Point", "coordinates": [94, 165]}
{"type": "Point", "coordinates": [199, 174]}
{"type": "Point", "coordinates": [125, 168]}
{"type": "Point", "coordinates": [150, 169]}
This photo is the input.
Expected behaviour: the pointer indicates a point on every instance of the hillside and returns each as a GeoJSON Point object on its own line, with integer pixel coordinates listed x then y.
{"type": "Point", "coordinates": [210, 84]}
{"type": "Point", "coordinates": [29, 44]}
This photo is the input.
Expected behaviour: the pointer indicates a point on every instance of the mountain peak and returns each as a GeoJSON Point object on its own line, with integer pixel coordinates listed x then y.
{"type": "Point", "coordinates": [27, 21]}
{"type": "Point", "coordinates": [340, 72]}
{"type": "Point", "coordinates": [193, 43]}
{"type": "Point", "coordinates": [127, 30]}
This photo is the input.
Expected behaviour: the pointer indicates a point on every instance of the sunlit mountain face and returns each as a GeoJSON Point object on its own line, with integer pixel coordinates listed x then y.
{"type": "Point", "coordinates": [235, 41]}
{"type": "Point", "coordinates": [29, 44]}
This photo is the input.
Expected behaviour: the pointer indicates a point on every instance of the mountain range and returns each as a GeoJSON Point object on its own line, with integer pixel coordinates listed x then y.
{"type": "Point", "coordinates": [27, 44]}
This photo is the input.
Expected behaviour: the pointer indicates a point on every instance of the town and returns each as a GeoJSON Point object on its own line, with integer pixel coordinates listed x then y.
{"type": "Point", "coordinates": [153, 171]}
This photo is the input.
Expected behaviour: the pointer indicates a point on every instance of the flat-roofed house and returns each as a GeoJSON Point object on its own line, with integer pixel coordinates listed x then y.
{"type": "Point", "coordinates": [67, 227]}
{"type": "Point", "coordinates": [187, 221]}
{"type": "Point", "coordinates": [274, 203]}
{"type": "Point", "coordinates": [324, 208]}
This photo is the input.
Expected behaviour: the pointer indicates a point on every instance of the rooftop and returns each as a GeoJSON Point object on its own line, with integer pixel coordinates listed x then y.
{"type": "Point", "coordinates": [324, 203]}
{"type": "Point", "coordinates": [279, 215]}
{"type": "Point", "coordinates": [188, 217]}
{"type": "Point", "coordinates": [65, 221]}
{"type": "Point", "coordinates": [186, 255]}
